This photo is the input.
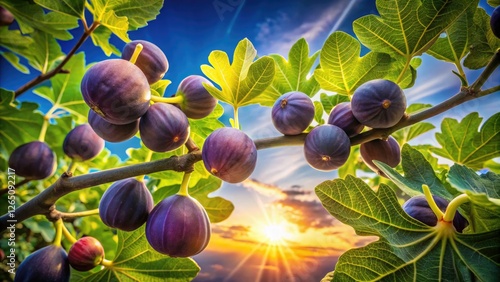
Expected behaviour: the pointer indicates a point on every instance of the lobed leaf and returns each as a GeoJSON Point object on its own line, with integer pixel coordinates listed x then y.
{"type": "Point", "coordinates": [73, 8]}
{"type": "Point", "coordinates": [484, 43]}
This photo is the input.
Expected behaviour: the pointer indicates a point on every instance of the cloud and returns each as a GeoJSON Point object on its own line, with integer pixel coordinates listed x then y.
{"type": "Point", "coordinates": [231, 232]}
{"type": "Point", "coordinates": [305, 214]}
{"type": "Point", "coordinates": [264, 189]}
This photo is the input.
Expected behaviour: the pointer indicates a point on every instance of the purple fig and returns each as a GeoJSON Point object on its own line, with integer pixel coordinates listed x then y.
{"type": "Point", "coordinates": [152, 61]}
{"type": "Point", "coordinates": [178, 226]}
{"type": "Point", "coordinates": [82, 143]}
{"type": "Point", "coordinates": [6, 17]}
{"type": "Point", "coordinates": [378, 103]}
{"type": "Point", "coordinates": [85, 254]}
{"type": "Point", "coordinates": [327, 147]}
{"type": "Point", "coordinates": [341, 116]}
{"type": "Point", "coordinates": [117, 90]}
{"type": "Point", "coordinates": [292, 113]}
{"type": "Point", "coordinates": [495, 22]}
{"type": "Point", "coordinates": [46, 264]}
{"type": "Point", "coordinates": [229, 154]}
{"type": "Point", "coordinates": [197, 102]}
{"type": "Point", "coordinates": [112, 132]}
{"type": "Point", "coordinates": [34, 160]}
{"type": "Point", "coordinates": [386, 151]}
{"type": "Point", "coordinates": [164, 128]}
{"type": "Point", "coordinates": [126, 204]}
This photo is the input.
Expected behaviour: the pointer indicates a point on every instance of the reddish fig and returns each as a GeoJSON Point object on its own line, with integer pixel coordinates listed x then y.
{"type": "Point", "coordinates": [85, 254]}
{"type": "Point", "coordinates": [327, 147]}
{"type": "Point", "coordinates": [33, 160]}
{"type": "Point", "coordinates": [292, 113]}
{"type": "Point", "coordinates": [82, 143]}
{"type": "Point", "coordinates": [386, 151]}
{"type": "Point", "coordinates": [6, 17]}
{"type": "Point", "coordinates": [197, 102]}
{"type": "Point", "coordinates": [112, 132]}
{"type": "Point", "coordinates": [152, 61]}
{"type": "Point", "coordinates": [46, 264]}
{"type": "Point", "coordinates": [341, 116]}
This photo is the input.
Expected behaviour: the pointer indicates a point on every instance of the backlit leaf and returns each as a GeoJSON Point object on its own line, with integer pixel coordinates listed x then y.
{"type": "Point", "coordinates": [100, 37]}
{"type": "Point", "coordinates": [330, 101]}
{"type": "Point", "coordinates": [15, 62]}
{"type": "Point", "coordinates": [71, 8]}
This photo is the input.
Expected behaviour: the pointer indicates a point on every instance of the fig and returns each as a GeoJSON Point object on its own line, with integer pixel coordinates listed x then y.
{"type": "Point", "coordinates": [495, 22]}
{"type": "Point", "coordinates": [152, 61]}
{"type": "Point", "coordinates": [34, 160]}
{"type": "Point", "coordinates": [112, 132]}
{"type": "Point", "coordinates": [46, 264]}
{"type": "Point", "coordinates": [327, 147]}
{"type": "Point", "coordinates": [418, 208]}
{"type": "Point", "coordinates": [386, 151]}
{"type": "Point", "coordinates": [85, 254]}
{"type": "Point", "coordinates": [126, 204]}
{"type": "Point", "coordinates": [229, 154]}
{"type": "Point", "coordinates": [6, 17]}
{"type": "Point", "coordinates": [378, 103]}
{"type": "Point", "coordinates": [292, 113]}
{"type": "Point", "coordinates": [82, 143]}
{"type": "Point", "coordinates": [341, 116]}
{"type": "Point", "coordinates": [117, 90]}
{"type": "Point", "coordinates": [197, 102]}
{"type": "Point", "coordinates": [164, 128]}
{"type": "Point", "coordinates": [178, 226]}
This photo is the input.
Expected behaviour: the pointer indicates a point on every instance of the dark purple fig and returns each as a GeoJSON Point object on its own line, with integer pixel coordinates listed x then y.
{"type": "Point", "coordinates": [327, 147]}
{"type": "Point", "coordinates": [178, 226]}
{"type": "Point", "coordinates": [292, 113]}
{"type": "Point", "coordinates": [126, 204]}
{"type": "Point", "coordinates": [6, 17]}
{"type": "Point", "coordinates": [386, 151]}
{"type": "Point", "coordinates": [117, 90]}
{"type": "Point", "coordinates": [495, 22]}
{"type": "Point", "coordinates": [229, 154]}
{"type": "Point", "coordinates": [197, 102]}
{"type": "Point", "coordinates": [34, 160]}
{"type": "Point", "coordinates": [152, 61]}
{"type": "Point", "coordinates": [341, 116]}
{"type": "Point", "coordinates": [46, 264]}
{"type": "Point", "coordinates": [378, 103]}
{"type": "Point", "coordinates": [164, 128]}
{"type": "Point", "coordinates": [112, 132]}
{"type": "Point", "coordinates": [418, 208]}
{"type": "Point", "coordinates": [82, 143]}
{"type": "Point", "coordinates": [85, 254]}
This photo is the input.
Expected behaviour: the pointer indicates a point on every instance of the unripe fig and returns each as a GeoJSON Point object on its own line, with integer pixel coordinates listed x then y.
{"type": "Point", "coordinates": [82, 143]}
{"type": "Point", "coordinates": [341, 116]}
{"type": "Point", "coordinates": [178, 226]}
{"type": "Point", "coordinates": [386, 151]}
{"type": "Point", "coordinates": [292, 113]}
{"type": "Point", "coordinates": [6, 17]}
{"type": "Point", "coordinates": [418, 208]}
{"type": "Point", "coordinates": [327, 147]}
{"type": "Point", "coordinates": [117, 90]}
{"type": "Point", "coordinates": [33, 160]}
{"type": "Point", "coordinates": [495, 22]}
{"type": "Point", "coordinates": [152, 61]}
{"type": "Point", "coordinates": [85, 254]}
{"type": "Point", "coordinates": [112, 132]}
{"type": "Point", "coordinates": [197, 102]}
{"type": "Point", "coordinates": [378, 103]}
{"type": "Point", "coordinates": [46, 264]}
{"type": "Point", "coordinates": [164, 128]}
{"type": "Point", "coordinates": [229, 154]}
{"type": "Point", "coordinates": [126, 204]}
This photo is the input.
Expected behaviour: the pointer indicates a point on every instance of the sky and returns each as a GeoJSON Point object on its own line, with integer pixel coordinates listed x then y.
{"type": "Point", "coordinates": [278, 197]}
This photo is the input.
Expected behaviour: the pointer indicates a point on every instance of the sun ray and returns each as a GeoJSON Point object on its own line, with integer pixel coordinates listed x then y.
{"type": "Point", "coordinates": [286, 264]}
{"type": "Point", "coordinates": [263, 263]}
{"type": "Point", "coordinates": [243, 261]}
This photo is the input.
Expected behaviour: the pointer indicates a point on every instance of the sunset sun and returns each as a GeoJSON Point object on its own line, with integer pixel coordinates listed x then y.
{"type": "Point", "coordinates": [275, 233]}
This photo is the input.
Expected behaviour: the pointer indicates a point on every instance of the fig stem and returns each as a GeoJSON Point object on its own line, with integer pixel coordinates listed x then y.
{"type": "Point", "coordinates": [59, 227]}
{"type": "Point", "coordinates": [168, 100]}
{"type": "Point", "coordinates": [236, 119]}
{"type": "Point", "coordinates": [137, 51]}
{"type": "Point", "coordinates": [67, 234]}
{"type": "Point", "coordinates": [453, 206]}
{"type": "Point", "coordinates": [106, 263]}
{"type": "Point", "coordinates": [43, 130]}
{"type": "Point", "coordinates": [183, 191]}
{"type": "Point", "coordinates": [431, 202]}
{"type": "Point", "coordinates": [489, 91]}
{"type": "Point", "coordinates": [71, 167]}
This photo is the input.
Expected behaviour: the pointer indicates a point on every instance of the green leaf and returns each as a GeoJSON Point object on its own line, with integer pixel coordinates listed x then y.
{"type": "Point", "coordinates": [342, 70]}
{"type": "Point", "coordinates": [493, 166]}
{"type": "Point", "coordinates": [318, 112]}
{"type": "Point", "coordinates": [71, 8]}
{"type": "Point", "coordinates": [330, 101]}
{"type": "Point", "coordinates": [137, 261]}
{"type": "Point", "coordinates": [494, 3]}
{"type": "Point", "coordinates": [407, 79]}
{"type": "Point", "coordinates": [158, 88]}
{"type": "Point", "coordinates": [100, 37]}
{"type": "Point", "coordinates": [47, 50]}
{"type": "Point", "coordinates": [484, 43]}
{"type": "Point", "coordinates": [352, 164]}
{"type": "Point", "coordinates": [462, 143]}
{"type": "Point", "coordinates": [292, 75]}
{"type": "Point", "coordinates": [410, 132]}
{"type": "Point", "coordinates": [242, 81]}
{"type": "Point", "coordinates": [15, 62]}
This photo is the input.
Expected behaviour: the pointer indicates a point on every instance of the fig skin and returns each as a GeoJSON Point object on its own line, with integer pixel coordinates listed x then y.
{"type": "Point", "coordinates": [85, 254]}
{"type": "Point", "coordinates": [418, 208]}
{"type": "Point", "coordinates": [117, 90]}
{"type": "Point", "coordinates": [49, 263]}
{"type": "Point", "coordinates": [197, 102]}
{"type": "Point", "coordinates": [495, 22]}
{"type": "Point", "coordinates": [327, 147]}
{"type": "Point", "coordinates": [6, 17]}
{"type": "Point", "coordinates": [126, 204]}
{"type": "Point", "coordinates": [34, 160]}
{"type": "Point", "coordinates": [152, 61]}
{"type": "Point", "coordinates": [341, 116]}
{"type": "Point", "coordinates": [378, 103]}
{"type": "Point", "coordinates": [112, 132]}
{"type": "Point", "coordinates": [178, 226]}
{"type": "Point", "coordinates": [229, 154]}
{"type": "Point", "coordinates": [292, 113]}
{"type": "Point", "coordinates": [386, 151]}
{"type": "Point", "coordinates": [164, 128]}
{"type": "Point", "coordinates": [82, 143]}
